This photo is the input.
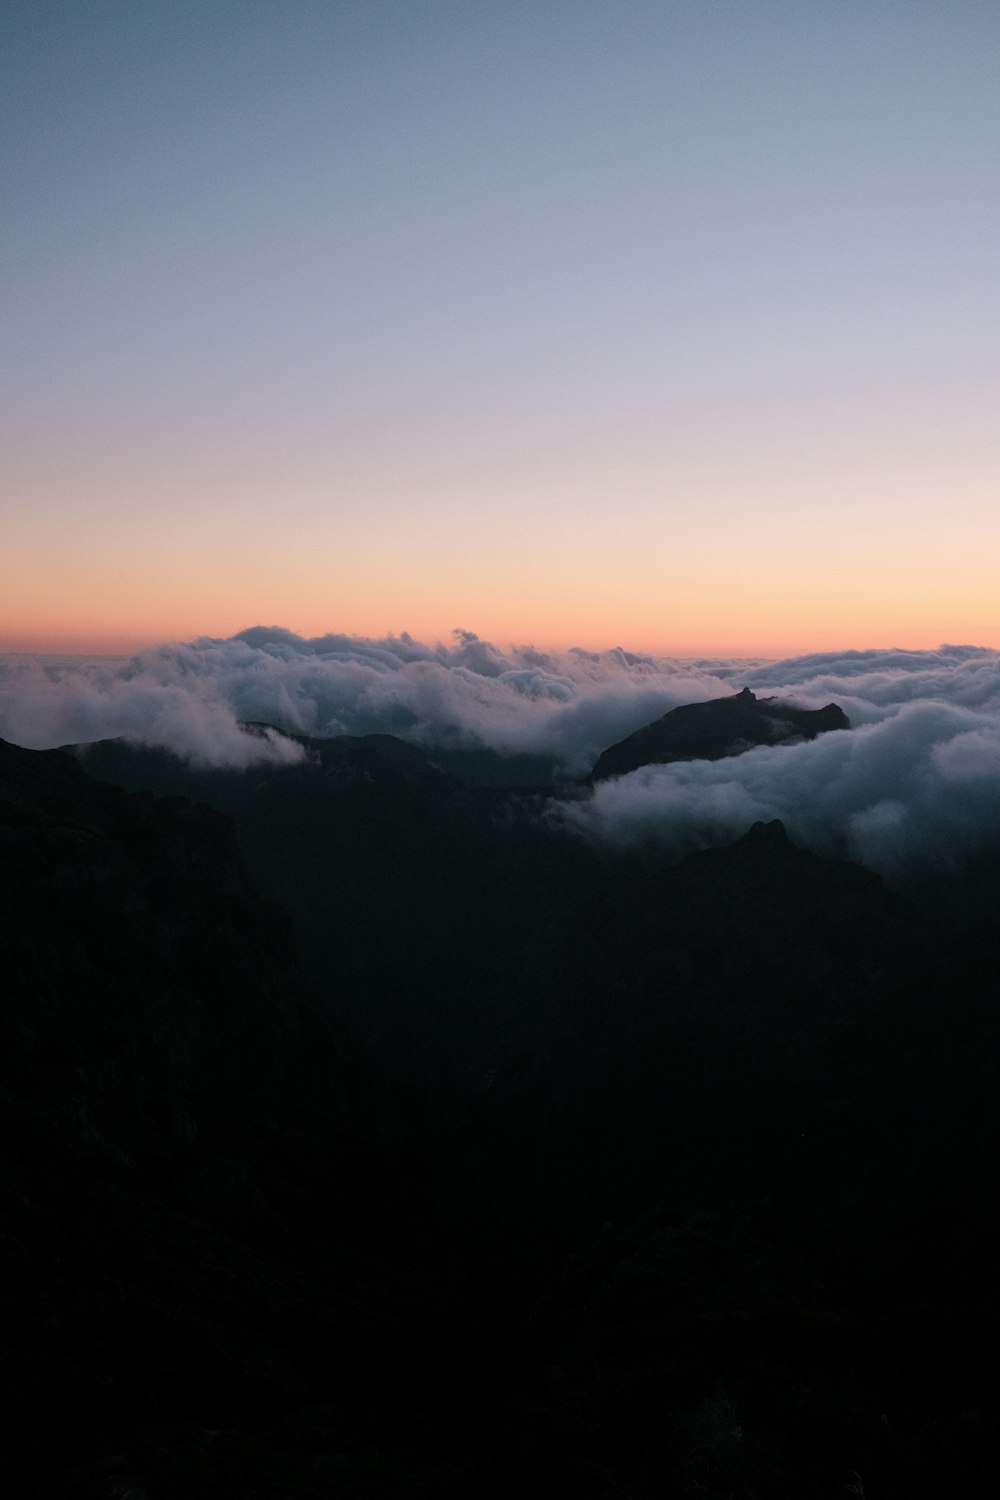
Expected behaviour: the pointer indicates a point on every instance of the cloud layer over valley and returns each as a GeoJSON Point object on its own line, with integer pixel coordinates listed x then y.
{"type": "Point", "coordinates": [913, 786]}
{"type": "Point", "coordinates": [190, 698]}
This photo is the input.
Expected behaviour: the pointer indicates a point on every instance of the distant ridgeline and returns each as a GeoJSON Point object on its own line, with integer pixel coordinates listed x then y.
{"type": "Point", "coordinates": [716, 730]}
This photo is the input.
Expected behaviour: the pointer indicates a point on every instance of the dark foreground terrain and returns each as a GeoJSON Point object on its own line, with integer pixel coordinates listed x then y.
{"type": "Point", "coordinates": [496, 1168]}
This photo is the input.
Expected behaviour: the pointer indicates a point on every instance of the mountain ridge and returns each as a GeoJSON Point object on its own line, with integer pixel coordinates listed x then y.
{"type": "Point", "coordinates": [717, 729]}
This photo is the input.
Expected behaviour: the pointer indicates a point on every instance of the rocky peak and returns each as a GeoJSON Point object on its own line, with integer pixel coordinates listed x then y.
{"type": "Point", "coordinates": [717, 729]}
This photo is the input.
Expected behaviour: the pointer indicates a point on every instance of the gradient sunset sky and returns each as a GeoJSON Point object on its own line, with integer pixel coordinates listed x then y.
{"type": "Point", "coordinates": [668, 325]}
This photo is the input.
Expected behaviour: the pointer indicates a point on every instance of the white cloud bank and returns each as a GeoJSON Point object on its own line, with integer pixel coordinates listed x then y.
{"type": "Point", "coordinates": [915, 783]}
{"type": "Point", "coordinates": [912, 791]}
{"type": "Point", "coordinates": [191, 697]}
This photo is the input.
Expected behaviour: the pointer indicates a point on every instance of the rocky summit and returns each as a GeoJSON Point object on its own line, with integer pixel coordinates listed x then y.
{"type": "Point", "coordinates": [717, 729]}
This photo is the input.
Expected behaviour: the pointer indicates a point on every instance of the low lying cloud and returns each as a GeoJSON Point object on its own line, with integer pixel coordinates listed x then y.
{"type": "Point", "coordinates": [191, 697]}
{"type": "Point", "coordinates": [914, 785]}
{"type": "Point", "coordinates": [913, 795]}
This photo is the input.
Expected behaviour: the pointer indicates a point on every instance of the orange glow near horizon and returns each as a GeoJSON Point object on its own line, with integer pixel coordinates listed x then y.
{"type": "Point", "coordinates": [736, 572]}
{"type": "Point", "coordinates": [594, 631]}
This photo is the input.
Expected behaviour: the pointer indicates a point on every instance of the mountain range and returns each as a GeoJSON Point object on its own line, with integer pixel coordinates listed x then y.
{"type": "Point", "coordinates": [375, 1136]}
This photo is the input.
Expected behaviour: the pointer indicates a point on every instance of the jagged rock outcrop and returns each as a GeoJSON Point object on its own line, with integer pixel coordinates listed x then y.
{"type": "Point", "coordinates": [717, 729]}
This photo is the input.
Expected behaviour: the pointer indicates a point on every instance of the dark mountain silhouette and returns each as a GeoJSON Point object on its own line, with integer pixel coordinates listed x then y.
{"type": "Point", "coordinates": [664, 1180]}
{"type": "Point", "coordinates": [197, 1238]}
{"type": "Point", "coordinates": [477, 767]}
{"type": "Point", "coordinates": [715, 730]}
{"type": "Point", "coordinates": [410, 889]}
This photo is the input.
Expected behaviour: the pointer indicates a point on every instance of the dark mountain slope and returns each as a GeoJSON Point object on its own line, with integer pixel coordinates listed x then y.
{"type": "Point", "coordinates": [196, 1243]}
{"type": "Point", "coordinates": [796, 1077]}
{"type": "Point", "coordinates": [715, 730]}
{"type": "Point", "coordinates": [412, 893]}
{"type": "Point", "coordinates": [682, 1009]}
{"type": "Point", "coordinates": [725, 1182]}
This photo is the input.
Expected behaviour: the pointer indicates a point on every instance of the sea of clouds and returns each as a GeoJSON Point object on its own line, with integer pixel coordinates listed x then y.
{"type": "Point", "coordinates": [912, 788]}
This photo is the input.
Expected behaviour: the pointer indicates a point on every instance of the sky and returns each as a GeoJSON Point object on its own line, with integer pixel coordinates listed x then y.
{"type": "Point", "coordinates": [667, 326]}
